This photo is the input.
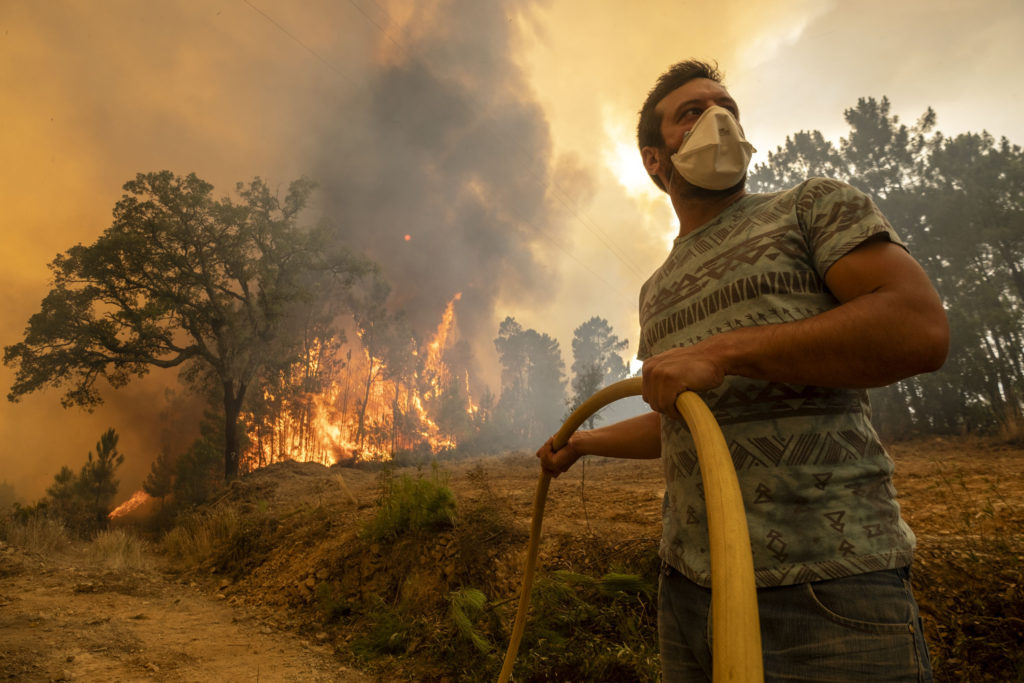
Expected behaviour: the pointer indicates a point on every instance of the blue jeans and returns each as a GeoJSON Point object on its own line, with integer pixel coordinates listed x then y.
{"type": "Point", "coordinates": [854, 629]}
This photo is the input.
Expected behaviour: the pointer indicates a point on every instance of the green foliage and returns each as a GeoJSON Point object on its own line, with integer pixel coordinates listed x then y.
{"type": "Point", "coordinates": [589, 629]}
{"type": "Point", "coordinates": [186, 480]}
{"type": "Point", "coordinates": [464, 608]}
{"type": "Point", "coordinates": [82, 502]}
{"type": "Point", "coordinates": [408, 504]}
{"type": "Point", "coordinates": [958, 202]}
{"type": "Point", "coordinates": [596, 364]}
{"type": "Point", "coordinates": [63, 501]}
{"type": "Point", "coordinates": [197, 473]}
{"type": "Point", "coordinates": [390, 633]}
{"type": "Point", "coordinates": [613, 583]}
{"type": "Point", "coordinates": [96, 482]}
{"type": "Point", "coordinates": [160, 480]}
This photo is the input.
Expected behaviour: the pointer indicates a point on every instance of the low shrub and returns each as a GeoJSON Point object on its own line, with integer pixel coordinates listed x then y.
{"type": "Point", "coordinates": [465, 606]}
{"type": "Point", "coordinates": [118, 549]}
{"type": "Point", "coordinates": [36, 533]}
{"type": "Point", "coordinates": [390, 633]}
{"type": "Point", "coordinates": [198, 536]}
{"type": "Point", "coordinates": [585, 628]}
{"type": "Point", "coordinates": [411, 504]}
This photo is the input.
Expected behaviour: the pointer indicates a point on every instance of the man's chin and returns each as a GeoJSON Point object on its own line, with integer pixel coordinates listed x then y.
{"type": "Point", "coordinates": [690, 191]}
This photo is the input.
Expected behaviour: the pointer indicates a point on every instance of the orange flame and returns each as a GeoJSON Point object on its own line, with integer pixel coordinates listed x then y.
{"type": "Point", "coordinates": [138, 499]}
{"type": "Point", "coordinates": [364, 411]}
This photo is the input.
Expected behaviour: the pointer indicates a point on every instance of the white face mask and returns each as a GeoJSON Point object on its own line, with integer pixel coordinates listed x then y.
{"type": "Point", "coordinates": [714, 154]}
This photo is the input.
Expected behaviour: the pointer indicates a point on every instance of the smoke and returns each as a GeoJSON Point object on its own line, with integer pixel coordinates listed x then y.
{"type": "Point", "coordinates": [439, 168]}
{"type": "Point", "coordinates": [413, 117]}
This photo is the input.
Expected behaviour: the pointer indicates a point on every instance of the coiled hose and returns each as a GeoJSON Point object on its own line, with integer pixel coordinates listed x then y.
{"type": "Point", "coordinates": [735, 630]}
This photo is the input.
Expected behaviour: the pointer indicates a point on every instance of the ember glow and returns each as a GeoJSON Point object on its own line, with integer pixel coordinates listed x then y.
{"type": "Point", "coordinates": [360, 408]}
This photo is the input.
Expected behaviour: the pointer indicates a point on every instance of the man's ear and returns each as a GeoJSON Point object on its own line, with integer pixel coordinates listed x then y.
{"type": "Point", "coordinates": [652, 160]}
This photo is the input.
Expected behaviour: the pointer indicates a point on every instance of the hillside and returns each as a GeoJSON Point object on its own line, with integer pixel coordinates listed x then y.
{"type": "Point", "coordinates": [282, 561]}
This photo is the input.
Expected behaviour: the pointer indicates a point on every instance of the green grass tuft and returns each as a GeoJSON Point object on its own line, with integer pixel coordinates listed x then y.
{"type": "Point", "coordinates": [410, 504]}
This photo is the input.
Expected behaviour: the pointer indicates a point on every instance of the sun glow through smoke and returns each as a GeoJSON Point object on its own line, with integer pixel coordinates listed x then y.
{"type": "Point", "coordinates": [623, 160]}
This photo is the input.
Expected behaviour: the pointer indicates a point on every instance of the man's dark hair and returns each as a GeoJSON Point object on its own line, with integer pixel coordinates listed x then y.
{"type": "Point", "coordinates": [648, 131]}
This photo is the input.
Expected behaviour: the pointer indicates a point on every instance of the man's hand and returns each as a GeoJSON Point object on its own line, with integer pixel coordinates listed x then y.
{"type": "Point", "coordinates": [636, 438]}
{"type": "Point", "coordinates": [555, 462]}
{"type": "Point", "coordinates": [672, 372]}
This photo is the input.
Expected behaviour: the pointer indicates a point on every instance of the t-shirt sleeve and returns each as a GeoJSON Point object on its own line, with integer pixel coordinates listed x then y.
{"type": "Point", "coordinates": [837, 218]}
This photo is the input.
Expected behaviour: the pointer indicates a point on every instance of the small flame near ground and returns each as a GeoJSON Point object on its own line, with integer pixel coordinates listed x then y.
{"type": "Point", "coordinates": [138, 499]}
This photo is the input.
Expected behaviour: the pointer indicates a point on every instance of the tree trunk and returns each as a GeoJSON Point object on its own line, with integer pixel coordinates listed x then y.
{"type": "Point", "coordinates": [362, 408]}
{"type": "Point", "coordinates": [394, 420]}
{"type": "Point", "coordinates": [232, 408]}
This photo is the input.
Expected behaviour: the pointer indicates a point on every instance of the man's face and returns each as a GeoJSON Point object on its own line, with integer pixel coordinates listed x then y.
{"type": "Point", "coordinates": [681, 108]}
{"type": "Point", "coordinates": [679, 111]}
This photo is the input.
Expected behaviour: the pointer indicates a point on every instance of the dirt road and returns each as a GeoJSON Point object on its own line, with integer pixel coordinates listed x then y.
{"type": "Point", "coordinates": [64, 620]}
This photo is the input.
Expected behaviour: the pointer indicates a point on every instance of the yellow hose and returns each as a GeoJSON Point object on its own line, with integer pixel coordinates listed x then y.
{"type": "Point", "coordinates": [736, 629]}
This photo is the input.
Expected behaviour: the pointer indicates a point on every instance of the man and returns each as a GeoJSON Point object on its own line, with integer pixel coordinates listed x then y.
{"type": "Point", "coordinates": [780, 309]}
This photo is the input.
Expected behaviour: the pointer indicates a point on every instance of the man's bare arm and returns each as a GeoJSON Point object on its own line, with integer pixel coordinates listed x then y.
{"type": "Point", "coordinates": [636, 438]}
{"type": "Point", "coordinates": [889, 325]}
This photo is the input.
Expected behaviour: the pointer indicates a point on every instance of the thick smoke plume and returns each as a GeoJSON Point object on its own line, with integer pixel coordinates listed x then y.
{"type": "Point", "coordinates": [438, 169]}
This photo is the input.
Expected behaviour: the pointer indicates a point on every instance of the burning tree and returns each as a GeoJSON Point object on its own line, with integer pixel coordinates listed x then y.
{"type": "Point", "coordinates": [224, 291]}
{"type": "Point", "coordinates": [385, 395]}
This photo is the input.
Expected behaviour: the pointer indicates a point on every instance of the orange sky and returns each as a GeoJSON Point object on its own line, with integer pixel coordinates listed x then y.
{"type": "Point", "coordinates": [92, 92]}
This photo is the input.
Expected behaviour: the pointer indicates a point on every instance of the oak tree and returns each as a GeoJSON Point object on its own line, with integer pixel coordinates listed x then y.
{"type": "Point", "coordinates": [183, 280]}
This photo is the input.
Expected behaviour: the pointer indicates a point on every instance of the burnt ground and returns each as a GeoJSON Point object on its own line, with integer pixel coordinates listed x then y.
{"type": "Point", "coordinates": [292, 595]}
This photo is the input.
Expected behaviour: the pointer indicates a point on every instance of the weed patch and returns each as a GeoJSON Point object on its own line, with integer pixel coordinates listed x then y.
{"type": "Point", "coordinates": [331, 601]}
{"type": "Point", "coordinates": [117, 549]}
{"type": "Point", "coordinates": [198, 536]}
{"type": "Point", "coordinates": [248, 546]}
{"type": "Point", "coordinates": [587, 628]}
{"type": "Point", "coordinates": [390, 633]}
{"type": "Point", "coordinates": [411, 504]}
{"type": "Point", "coordinates": [967, 591]}
{"type": "Point", "coordinates": [36, 533]}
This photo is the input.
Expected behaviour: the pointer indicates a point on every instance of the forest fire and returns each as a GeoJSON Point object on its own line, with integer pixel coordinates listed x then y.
{"type": "Point", "coordinates": [387, 395]}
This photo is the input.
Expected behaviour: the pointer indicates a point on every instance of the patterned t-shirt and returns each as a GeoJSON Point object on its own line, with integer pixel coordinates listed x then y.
{"type": "Point", "coordinates": [815, 479]}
